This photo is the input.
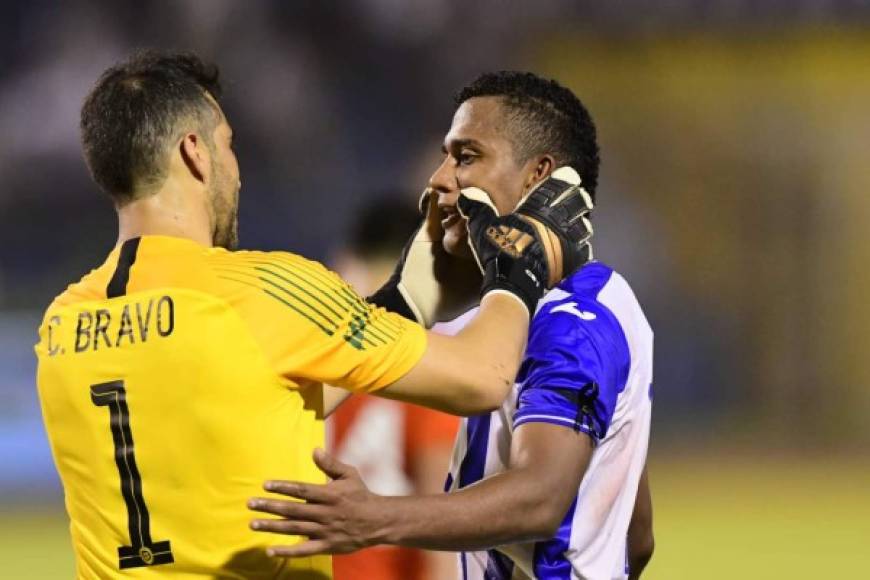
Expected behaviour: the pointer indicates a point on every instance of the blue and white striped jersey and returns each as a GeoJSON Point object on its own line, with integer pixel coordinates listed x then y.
{"type": "Point", "coordinates": [588, 367]}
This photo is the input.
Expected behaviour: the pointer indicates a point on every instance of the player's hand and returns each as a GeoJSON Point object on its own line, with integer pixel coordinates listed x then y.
{"type": "Point", "coordinates": [533, 249]}
{"type": "Point", "coordinates": [428, 285]}
{"type": "Point", "coordinates": [339, 517]}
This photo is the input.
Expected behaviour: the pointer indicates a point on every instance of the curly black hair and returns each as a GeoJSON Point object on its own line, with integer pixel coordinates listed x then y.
{"type": "Point", "coordinates": [136, 109]}
{"type": "Point", "coordinates": [544, 117]}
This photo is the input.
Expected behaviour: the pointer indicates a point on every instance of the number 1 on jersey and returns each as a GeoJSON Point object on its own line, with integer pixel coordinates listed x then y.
{"type": "Point", "coordinates": [143, 551]}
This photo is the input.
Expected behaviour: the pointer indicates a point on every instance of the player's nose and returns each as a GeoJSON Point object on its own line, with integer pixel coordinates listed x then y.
{"type": "Point", "coordinates": [444, 179]}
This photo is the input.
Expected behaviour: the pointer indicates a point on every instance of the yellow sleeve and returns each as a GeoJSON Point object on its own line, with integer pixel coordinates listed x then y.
{"type": "Point", "coordinates": [312, 325]}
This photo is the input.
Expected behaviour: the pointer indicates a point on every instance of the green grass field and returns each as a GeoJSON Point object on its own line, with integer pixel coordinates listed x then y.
{"type": "Point", "coordinates": [714, 519]}
{"type": "Point", "coordinates": [764, 519]}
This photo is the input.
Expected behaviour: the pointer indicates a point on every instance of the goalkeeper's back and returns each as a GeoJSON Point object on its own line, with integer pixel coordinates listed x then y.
{"type": "Point", "coordinates": [170, 381]}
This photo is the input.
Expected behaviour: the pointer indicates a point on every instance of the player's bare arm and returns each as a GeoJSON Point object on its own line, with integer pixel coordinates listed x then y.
{"type": "Point", "coordinates": [547, 464]}
{"type": "Point", "coordinates": [464, 374]}
{"type": "Point", "coordinates": [520, 255]}
{"type": "Point", "coordinates": [641, 541]}
{"type": "Point", "coordinates": [472, 371]}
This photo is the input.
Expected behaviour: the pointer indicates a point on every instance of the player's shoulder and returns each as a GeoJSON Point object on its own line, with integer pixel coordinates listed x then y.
{"type": "Point", "coordinates": [576, 308]}
{"type": "Point", "coordinates": [259, 259]}
{"type": "Point", "coordinates": [261, 285]}
{"type": "Point", "coordinates": [82, 290]}
{"type": "Point", "coordinates": [88, 288]}
{"type": "Point", "coordinates": [268, 269]}
{"type": "Point", "coordinates": [582, 321]}
{"type": "Point", "coordinates": [575, 328]}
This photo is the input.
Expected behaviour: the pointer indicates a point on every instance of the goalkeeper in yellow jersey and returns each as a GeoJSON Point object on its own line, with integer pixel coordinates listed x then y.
{"type": "Point", "coordinates": [180, 373]}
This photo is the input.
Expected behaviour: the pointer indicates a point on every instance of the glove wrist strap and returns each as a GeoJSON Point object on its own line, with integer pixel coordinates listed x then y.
{"type": "Point", "coordinates": [509, 275]}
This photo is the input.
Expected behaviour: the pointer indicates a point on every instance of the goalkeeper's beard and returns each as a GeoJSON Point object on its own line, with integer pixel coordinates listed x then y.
{"type": "Point", "coordinates": [225, 211]}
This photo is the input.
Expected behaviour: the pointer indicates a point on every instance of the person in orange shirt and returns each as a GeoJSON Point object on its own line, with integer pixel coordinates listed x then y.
{"type": "Point", "coordinates": [398, 448]}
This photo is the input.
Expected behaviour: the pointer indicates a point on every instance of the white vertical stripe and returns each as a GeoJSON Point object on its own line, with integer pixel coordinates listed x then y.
{"type": "Point", "coordinates": [606, 496]}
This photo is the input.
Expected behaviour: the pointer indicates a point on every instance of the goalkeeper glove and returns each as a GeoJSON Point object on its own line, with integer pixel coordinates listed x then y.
{"type": "Point", "coordinates": [533, 249]}
{"type": "Point", "coordinates": [428, 285]}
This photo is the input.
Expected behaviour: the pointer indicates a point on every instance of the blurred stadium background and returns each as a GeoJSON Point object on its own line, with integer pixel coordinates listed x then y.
{"type": "Point", "coordinates": [734, 195]}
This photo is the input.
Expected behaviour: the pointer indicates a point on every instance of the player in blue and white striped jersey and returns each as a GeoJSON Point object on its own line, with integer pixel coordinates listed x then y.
{"type": "Point", "coordinates": [550, 485]}
{"type": "Point", "coordinates": [587, 368]}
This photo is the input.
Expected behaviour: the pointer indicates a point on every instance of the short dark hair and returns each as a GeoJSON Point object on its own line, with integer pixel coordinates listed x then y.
{"type": "Point", "coordinates": [544, 117]}
{"type": "Point", "coordinates": [381, 227]}
{"type": "Point", "coordinates": [133, 112]}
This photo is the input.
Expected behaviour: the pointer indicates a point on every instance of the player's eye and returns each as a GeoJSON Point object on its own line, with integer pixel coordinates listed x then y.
{"type": "Point", "coordinates": [466, 157]}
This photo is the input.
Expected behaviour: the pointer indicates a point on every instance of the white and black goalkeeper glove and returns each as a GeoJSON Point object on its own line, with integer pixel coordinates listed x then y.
{"type": "Point", "coordinates": [428, 285]}
{"type": "Point", "coordinates": [543, 241]}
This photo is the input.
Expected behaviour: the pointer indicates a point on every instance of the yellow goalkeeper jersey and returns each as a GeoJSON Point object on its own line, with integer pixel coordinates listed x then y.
{"type": "Point", "coordinates": [175, 378]}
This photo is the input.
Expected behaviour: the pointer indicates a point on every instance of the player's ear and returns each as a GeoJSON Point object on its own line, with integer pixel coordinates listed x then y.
{"type": "Point", "coordinates": [195, 156]}
{"type": "Point", "coordinates": [543, 166]}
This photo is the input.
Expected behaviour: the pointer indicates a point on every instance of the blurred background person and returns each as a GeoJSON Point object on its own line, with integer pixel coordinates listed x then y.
{"type": "Point", "coordinates": [398, 448]}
